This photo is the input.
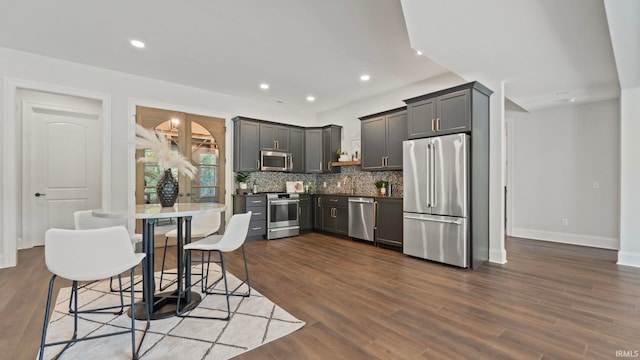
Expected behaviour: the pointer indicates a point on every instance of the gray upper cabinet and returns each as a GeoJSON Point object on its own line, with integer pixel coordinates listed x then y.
{"type": "Point", "coordinates": [382, 136]}
{"type": "Point", "coordinates": [274, 137]}
{"type": "Point", "coordinates": [321, 145]}
{"type": "Point", "coordinates": [313, 151]}
{"type": "Point", "coordinates": [440, 113]}
{"type": "Point", "coordinates": [331, 142]}
{"type": "Point", "coordinates": [246, 151]}
{"type": "Point", "coordinates": [297, 149]}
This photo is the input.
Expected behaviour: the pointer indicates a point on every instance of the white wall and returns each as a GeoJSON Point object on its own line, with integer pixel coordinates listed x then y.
{"type": "Point", "coordinates": [629, 253]}
{"type": "Point", "coordinates": [558, 155]}
{"type": "Point", "coordinates": [347, 116]}
{"type": "Point", "coordinates": [123, 89]}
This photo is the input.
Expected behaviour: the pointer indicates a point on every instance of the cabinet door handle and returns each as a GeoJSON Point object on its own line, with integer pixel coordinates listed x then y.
{"type": "Point", "coordinates": [329, 165]}
{"type": "Point", "coordinates": [375, 215]}
{"type": "Point", "coordinates": [318, 201]}
{"type": "Point", "coordinates": [333, 200]}
{"type": "Point", "coordinates": [257, 228]}
{"type": "Point", "coordinates": [258, 164]}
{"type": "Point", "coordinates": [256, 201]}
{"type": "Point", "coordinates": [438, 124]}
{"type": "Point", "coordinates": [257, 214]}
{"type": "Point", "coordinates": [320, 166]}
{"type": "Point", "coordinates": [433, 126]}
{"type": "Point", "coordinates": [382, 158]}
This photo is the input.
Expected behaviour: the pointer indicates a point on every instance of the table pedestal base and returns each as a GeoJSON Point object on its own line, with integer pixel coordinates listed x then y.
{"type": "Point", "coordinates": [165, 306]}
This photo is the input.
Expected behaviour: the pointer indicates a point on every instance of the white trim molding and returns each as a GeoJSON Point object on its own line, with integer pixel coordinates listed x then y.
{"type": "Point", "coordinates": [11, 163]}
{"type": "Point", "coordinates": [629, 259]}
{"type": "Point", "coordinates": [565, 238]}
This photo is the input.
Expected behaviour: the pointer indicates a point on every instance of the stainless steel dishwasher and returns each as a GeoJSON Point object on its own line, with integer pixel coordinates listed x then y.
{"type": "Point", "coordinates": [361, 218]}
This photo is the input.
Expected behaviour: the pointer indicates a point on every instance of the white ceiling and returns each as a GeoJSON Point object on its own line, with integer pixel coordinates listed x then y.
{"type": "Point", "coordinates": [320, 48]}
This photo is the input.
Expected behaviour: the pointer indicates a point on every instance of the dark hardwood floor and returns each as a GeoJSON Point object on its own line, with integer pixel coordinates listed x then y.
{"type": "Point", "coordinates": [360, 302]}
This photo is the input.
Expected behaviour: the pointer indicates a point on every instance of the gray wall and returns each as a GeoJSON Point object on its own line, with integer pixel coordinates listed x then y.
{"type": "Point", "coordinates": [564, 164]}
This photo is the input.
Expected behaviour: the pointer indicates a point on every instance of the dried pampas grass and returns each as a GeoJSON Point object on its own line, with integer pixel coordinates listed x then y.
{"type": "Point", "coordinates": [156, 141]}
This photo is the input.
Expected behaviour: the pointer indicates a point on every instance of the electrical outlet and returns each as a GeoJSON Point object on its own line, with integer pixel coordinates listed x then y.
{"type": "Point", "coordinates": [339, 184]}
{"type": "Point", "coordinates": [596, 184]}
{"type": "Point", "coordinates": [324, 184]}
{"type": "Point", "coordinates": [565, 222]}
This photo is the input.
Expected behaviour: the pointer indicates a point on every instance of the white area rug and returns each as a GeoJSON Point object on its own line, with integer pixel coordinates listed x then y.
{"type": "Point", "coordinates": [255, 321]}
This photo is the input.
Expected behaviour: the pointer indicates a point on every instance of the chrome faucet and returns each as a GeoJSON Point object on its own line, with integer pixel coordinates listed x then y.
{"type": "Point", "coordinates": [352, 188]}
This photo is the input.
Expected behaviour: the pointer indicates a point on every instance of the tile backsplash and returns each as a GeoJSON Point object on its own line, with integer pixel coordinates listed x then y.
{"type": "Point", "coordinates": [364, 181]}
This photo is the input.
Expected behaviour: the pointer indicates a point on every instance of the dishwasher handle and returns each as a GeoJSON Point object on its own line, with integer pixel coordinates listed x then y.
{"type": "Point", "coordinates": [361, 200]}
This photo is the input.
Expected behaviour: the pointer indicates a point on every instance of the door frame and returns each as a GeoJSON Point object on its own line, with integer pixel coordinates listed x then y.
{"type": "Point", "coordinates": [131, 151]}
{"type": "Point", "coordinates": [12, 160]}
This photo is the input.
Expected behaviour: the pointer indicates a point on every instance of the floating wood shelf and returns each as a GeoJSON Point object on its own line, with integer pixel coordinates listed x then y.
{"type": "Point", "coordinates": [346, 163]}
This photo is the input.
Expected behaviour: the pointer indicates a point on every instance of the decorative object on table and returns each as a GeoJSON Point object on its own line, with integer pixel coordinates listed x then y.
{"type": "Point", "coordinates": [294, 187]}
{"type": "Point", "coordinates": [310, 188]}
{"type": "Point", "coordinates": [241, 179]}
{"type": "Point", "coordinates": [254, 189]}
{"type": "Point", "coordinates": [381, 185]}
{"type": "Point", "coordinates": [156, 141]}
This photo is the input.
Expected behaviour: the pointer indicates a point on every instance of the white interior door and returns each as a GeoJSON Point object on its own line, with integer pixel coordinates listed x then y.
{"type": "Point", "coordinates": [61, 166]}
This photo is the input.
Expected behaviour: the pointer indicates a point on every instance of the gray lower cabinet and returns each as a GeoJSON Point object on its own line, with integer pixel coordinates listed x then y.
{"type": "Point", "coordinates": [332, 214]}
{"type": "Point", "coordinates": [317, 211]}
{"type": "Point", "coordinates": [246, 149]}
{"type": "Point", "coordinates": [257, 204]}
{"type": "Point", "coordinates": [389, 222]}
{"type": "Point", "coordinates": [305, 212]}
{"type": "Point", "coordinates": [382, 136]}
{"type": "Point", "coordinates": [297, 149]}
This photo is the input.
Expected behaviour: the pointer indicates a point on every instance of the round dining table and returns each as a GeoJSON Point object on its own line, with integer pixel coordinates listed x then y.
{"type": "Point", "coordinates": [163, 305]}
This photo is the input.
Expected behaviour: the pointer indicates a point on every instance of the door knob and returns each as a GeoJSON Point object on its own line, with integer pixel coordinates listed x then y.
{"type": "Point", "coordinates": [38, 194]}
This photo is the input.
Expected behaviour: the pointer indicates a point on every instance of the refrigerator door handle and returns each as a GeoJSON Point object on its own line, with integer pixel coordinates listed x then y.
{"type": "Point", "coordinates": [432, 174]}
{"type": "Point", "coordinates": [457, 222]}
{"type": "Point", "coordinates": [428, 175]}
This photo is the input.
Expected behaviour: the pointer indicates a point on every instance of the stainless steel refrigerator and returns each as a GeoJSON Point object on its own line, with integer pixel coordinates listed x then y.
{"type": "Point", "coordinates": [436, 199]}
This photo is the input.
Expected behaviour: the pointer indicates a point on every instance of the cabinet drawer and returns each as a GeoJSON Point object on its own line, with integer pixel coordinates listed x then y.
{"type": "Point", "coordinates": [256, 201]}
{"type": "Point", "coordinates": [257, 227]}
{"type": "Point", "coordinates": [257, 212]}
{"type": "Point", "coordinates": [335, 200]}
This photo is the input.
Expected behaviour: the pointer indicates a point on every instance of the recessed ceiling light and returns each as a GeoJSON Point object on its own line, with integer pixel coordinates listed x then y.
{"type": "Point", "coordinates": [311, 98]}
{"type": "Point", "coordinates": [365, 77]}
{"type": "Point", "coordinates": [264, 86]}
{"type": "Point", "coordinates": [137, 43]}
{"type": "Point", "coordinates": [418, 52]}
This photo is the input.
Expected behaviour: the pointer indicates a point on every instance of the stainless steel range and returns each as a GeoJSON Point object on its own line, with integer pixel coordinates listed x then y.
{"type": "Point", "coordinates": [282, 215]}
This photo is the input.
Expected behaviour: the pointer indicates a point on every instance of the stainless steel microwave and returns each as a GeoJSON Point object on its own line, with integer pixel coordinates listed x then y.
{"type": "Point", "coordinates": [275, 161]}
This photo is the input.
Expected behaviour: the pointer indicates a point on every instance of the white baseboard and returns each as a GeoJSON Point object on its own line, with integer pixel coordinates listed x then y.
{"type": "Point", "coordinates": [564, 238]}
{"type": "Point", "coordinates": [629, 259]}
{"type": "Point", "coordinates": [498, 256]}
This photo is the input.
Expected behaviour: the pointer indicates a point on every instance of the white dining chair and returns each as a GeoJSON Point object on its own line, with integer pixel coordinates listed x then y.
{"type": "Point", "coordinates": [201, 226]}
{"type": "Point", "coordinates": [233, 238]}
{"type": "Point", "coordinates": [89, 255]}
{"type": "Point", "coordinates": [84, 220]}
